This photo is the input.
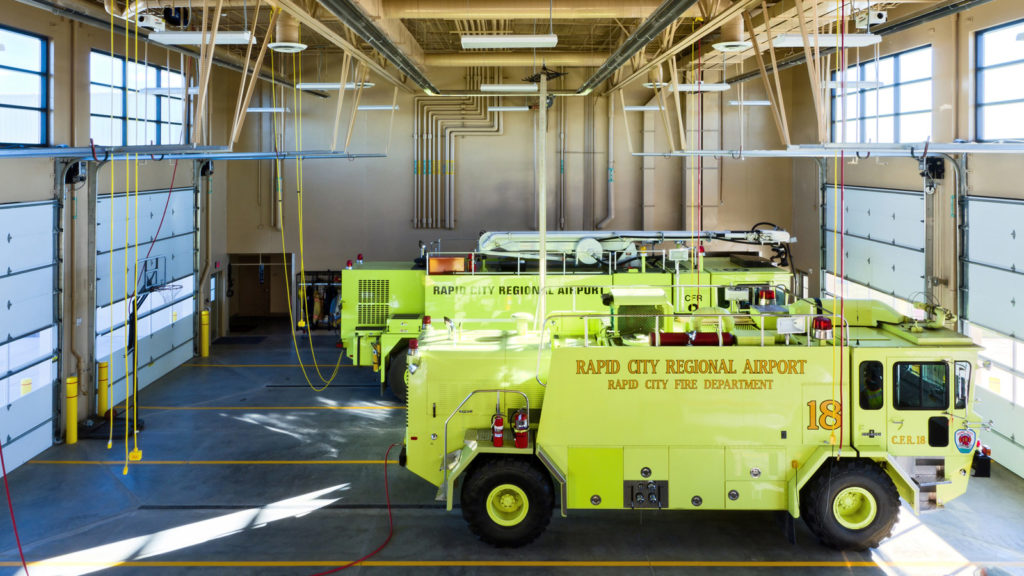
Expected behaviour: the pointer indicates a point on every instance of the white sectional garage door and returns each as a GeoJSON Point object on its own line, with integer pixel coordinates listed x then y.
{"type": "Point", "coordinates": [166, 317]}
{"type": "Point", "coordinates": [28, 328]}
{"type": "Point", "coordinates": [883, 241]}
{"type": "Point", "coordinates": [994, 264]}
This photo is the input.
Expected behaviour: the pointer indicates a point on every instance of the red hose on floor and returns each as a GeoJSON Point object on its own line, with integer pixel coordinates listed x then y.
{"type": "Point", "coordinates": [391, 523]}
{"type": "Point", "coordinates": [14, 524]}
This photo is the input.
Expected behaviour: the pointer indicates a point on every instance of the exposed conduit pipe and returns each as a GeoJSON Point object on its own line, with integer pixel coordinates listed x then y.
{"type": "Point", "coordinates": [493, 126]}
{"type": "Point", "coordinates": [611, 164]}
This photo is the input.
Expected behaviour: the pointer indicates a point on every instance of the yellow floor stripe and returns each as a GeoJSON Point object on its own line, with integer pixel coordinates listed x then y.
{"type": "Point", "coordinates": [517, 564]}
{"type": "Point", "coordinates": [198, 365]}
{"type": "Point", "coordinates": [272, 407]}
{"type": "Point", "coordinates": [207, 462]}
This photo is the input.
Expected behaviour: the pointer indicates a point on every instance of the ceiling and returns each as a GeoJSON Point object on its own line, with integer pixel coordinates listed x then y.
{"type": "Point", "coordinates": [426, 33]}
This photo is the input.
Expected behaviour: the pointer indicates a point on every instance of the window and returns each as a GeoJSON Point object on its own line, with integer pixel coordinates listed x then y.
{"type": "Point", "coordinates": [124, 111]}
{"type": "Point", "coordinates": [24, 78]}
{"type": "Point", "coordinates": [835, 287]}
{"type": "Point", "coordinates": [1002, 371]}
{"type": "Point", "coordinates": [920, 386]}
{"type": "Point", "coordinates": [899, 109]}
{"type": "Point", "coordinates": [999, 92]}
{"type": "Point", "coordinates": [872, 395]}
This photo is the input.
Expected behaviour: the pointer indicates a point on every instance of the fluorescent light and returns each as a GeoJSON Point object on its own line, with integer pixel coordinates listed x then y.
{"type": "Point", "coordinates": [508, 87]}
{"type": "Point", "coordinates": [509, 41]}
{"type": "Point", "coordinates": [854, 84]}
{"type": "Point", "coordinates": [168, 91]}
{"type": "Point", "coordinates": [646, 108]}
{"type": "Point", "coordinates": [732, 46]}
{"type": "Point", "coordinates": [175, 37]}
{"type": "Point", "coordinates": [827, 40]}
{"type": "Point", "coordinates": [508, 108]}
{"type": "Point", "coordinates": [698, 87]}
{"type": "Point", "coordinates": [287, 47]}
{"type": "Point", "coordinates": [331, 85]}
{"type": "Point", "coordinates": [267, 110]}
{"type": "Point", "coordinates": [750, 103]}
{"type": "Point", "coordinates": [377, 107]}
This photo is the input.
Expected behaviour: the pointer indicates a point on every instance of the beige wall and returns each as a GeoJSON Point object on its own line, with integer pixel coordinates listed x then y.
{"type": "Point", "coordinates": [952, 41]}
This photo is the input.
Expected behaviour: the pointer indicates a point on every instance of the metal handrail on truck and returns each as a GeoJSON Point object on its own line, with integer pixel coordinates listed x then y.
{"type": "Point", "coordinates": [499, 392]}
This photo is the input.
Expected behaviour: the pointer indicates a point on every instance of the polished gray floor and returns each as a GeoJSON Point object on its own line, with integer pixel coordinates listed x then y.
{"type": "Point", "coordinates": [245, 471]}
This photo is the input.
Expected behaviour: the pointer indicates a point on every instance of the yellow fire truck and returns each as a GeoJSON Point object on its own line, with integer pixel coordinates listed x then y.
{"type": "Point", "coordinates": [827, 410]}
{"type": "Point", "coordinates": [383, 304]}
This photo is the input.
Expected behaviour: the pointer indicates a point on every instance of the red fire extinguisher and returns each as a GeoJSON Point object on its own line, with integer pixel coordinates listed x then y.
{"type": "Point", "coordinates": [498, 430]}
{"type": "Point", "coordinates": [521, 426]}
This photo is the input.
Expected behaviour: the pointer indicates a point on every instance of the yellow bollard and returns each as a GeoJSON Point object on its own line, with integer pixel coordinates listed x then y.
{"type": "Point", "coordinates": [26, 386]}
{"type": "Point", "coordinates": [71, 409]}
{"type": "Point", "coordinates": [204, 333]}
{"type": "Point", "coordinates": [103, 401]}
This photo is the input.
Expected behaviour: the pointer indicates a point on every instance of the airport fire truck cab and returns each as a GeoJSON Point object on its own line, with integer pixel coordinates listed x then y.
{"type": "Point", "coordinates": [827, 410]}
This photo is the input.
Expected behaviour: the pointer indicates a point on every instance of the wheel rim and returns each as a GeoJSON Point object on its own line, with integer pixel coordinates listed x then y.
{"type": "Point", "coordinates": [507, 505]}
{"type": "Point", "coordinates": [854, 508]}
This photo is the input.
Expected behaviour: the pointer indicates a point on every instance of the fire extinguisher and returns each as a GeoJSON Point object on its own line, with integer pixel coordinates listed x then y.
{"type": "Point", "coordinates": [521, 426]}
{"type": "Point", "coordinates": [498, 430]}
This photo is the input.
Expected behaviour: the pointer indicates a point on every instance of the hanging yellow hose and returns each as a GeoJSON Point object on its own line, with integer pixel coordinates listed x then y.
{"type": "Point", "coordinates": [110, 247]}
{"type": "Point", "coordinates": [287, 284]}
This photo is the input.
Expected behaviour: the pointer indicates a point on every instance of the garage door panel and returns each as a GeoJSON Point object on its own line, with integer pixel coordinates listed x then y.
{"type": "Point", "coordinates": [28, 446]}
{"type": "Point", "coordinates": [180, 218]}
{"type": "Point", "coordinates": [996, 299]}
{"type": "Point", "coordinates": [27, 236]}
{"type": "Point", "coordinates": [177, 260]}
{"type": "Point", "coordinates": [995, 232]}
{"type": "Point", "coordinates": [26, 302]}
{"type": "Point", "coordinates": [889, 216]}
{"type": "Point", "coordinates": [886, 268]}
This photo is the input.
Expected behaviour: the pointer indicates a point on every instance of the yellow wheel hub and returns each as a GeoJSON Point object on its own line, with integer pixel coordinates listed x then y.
{"type": "Point", "coordinates": [507, 505]}
{"type": "Point", "coordinates": [854, 508]}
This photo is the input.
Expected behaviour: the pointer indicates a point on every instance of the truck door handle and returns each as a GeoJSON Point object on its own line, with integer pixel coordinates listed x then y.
{"type": "Point", "coordinates": [871, 433]}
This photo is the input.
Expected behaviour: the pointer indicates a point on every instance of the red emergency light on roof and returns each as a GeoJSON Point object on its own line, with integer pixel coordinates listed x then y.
{"type": "Point", "coordinates": [765, 297]}
{"type": "Point", "coordinates": [426, 321]}
{"type": "Point", "coordinates": [822, 327]}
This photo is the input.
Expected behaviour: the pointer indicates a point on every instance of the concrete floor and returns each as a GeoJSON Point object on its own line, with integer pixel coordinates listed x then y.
{"type": "Point", "coordinates": [247, 470]}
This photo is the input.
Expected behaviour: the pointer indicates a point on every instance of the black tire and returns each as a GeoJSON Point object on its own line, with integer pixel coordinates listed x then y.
{"type": "Point", "coordinates": [397, 377]}
{"type": "Point", "coordinates": [850, 505]}
{"type": "Point", "coordinates": [490, 481]}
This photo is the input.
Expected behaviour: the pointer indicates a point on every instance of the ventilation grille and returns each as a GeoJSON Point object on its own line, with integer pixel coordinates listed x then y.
{"type": "Point", "coordinates": [638, 325]}
{"type": "Point", "coordinates": [374, 302]}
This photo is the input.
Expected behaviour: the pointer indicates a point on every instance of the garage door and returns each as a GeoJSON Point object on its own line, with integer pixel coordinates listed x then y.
{"type": "Point", "coordinates": [994, 264]}
{"type": "Point", "coordinates": [166, 316]}
{"type": "Point", "coordinates": [883, 242]}
{"type": "Point", "coordinates": [28, 328]}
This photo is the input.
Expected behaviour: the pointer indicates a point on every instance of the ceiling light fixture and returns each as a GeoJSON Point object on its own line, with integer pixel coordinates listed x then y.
{"type": "Point", "coordinates": [854, 84]}
{"type": "Point", "coordinates": [287, 47]}
{"type": "Point", "coordinates": [472, 42]}
{"type": "Point", "coordinates": [508, 108]}
{"type": "Point", "coordinates": [827, 40]}
{"type": "Point", "coordinates": [508, 87]}
{"type": "Point", "coordinates": [168, 91]}
{"type": "Point", "coordinates": [697, 87]}
{"type": "Point", "coordinates": [267, 110]}
{"type": "Point", "coordinates": [645, 108]}
{"type": "Point", "coordinates": [749, 103]}
{"type": "Point", "coordinates": [733, 46]}
{"type": "Point", "coordinates": [332, 85]}
{"type": "Point", "coordinates": [189, 38]}
{"type": "Point", "coordinates": [377, 107]}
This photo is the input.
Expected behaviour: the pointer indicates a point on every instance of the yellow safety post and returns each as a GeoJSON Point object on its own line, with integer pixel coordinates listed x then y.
{"type": "Point", "coordinates": [103, 402]}
{"type": "Point", "coordinates": [204, 333]}
{"type": "Point", "coordinates": [26, 386]}
{"type": "Point", "coordinates": [71, 409]}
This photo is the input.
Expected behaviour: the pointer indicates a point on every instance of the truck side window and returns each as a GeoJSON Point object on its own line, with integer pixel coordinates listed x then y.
{"type": "Point", "coordinates": [921, 386]}
{"type": "Point", "coordinates": [962, 389]}
{"type": "Point", "coordinates": [872, 394]}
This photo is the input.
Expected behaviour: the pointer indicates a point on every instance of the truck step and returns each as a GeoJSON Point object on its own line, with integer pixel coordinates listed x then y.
{"type": "Point", "coordinates": [928, 501]}
{"type": "Point", "coordinates": [442, 494]}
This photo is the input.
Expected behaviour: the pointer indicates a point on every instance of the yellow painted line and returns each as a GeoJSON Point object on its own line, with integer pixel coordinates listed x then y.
{"type": "Point", "coordinates": [272, 407]}
{"type": "Point", "coordinates": [197, 365]}
{"type": "Point", "coordinates": [208, 462]}
{"type": "Point", "coordinates": [514, 564]}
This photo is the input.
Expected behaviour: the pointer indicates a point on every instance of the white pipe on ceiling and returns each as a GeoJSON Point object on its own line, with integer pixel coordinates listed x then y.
{"type": "Point", "coordinates": [467, 59]}
{"type": "Point", "coordinates": [517, 9]}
